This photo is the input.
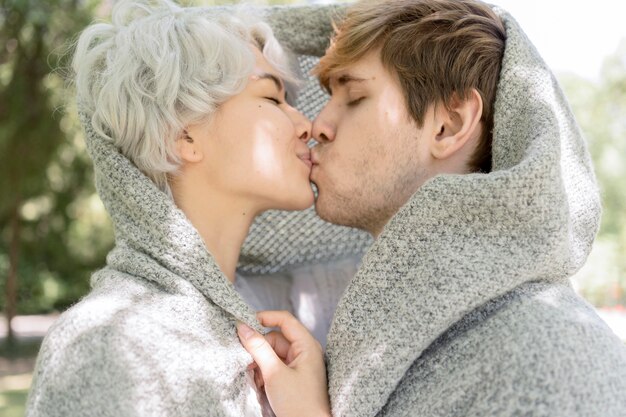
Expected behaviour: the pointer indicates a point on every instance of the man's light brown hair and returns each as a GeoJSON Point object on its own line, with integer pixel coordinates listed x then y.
{"type": "Point", "coordinates": [435, 48]}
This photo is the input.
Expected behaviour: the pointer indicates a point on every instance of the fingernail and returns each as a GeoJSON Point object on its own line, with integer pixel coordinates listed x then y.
{"type": "Point", "coordinates": [244, 331]}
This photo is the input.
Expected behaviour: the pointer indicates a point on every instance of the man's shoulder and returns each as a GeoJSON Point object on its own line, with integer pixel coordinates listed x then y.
{"type": "Point", "coordinates": [539, 349]}
{"type": "Point", "coordinates": [547, 318]}
{"type": "Point", "coordinates": [539, 323]}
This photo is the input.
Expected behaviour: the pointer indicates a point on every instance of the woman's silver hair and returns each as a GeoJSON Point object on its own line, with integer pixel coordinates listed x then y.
{"type": "Point", "coordinates": [159, 67]}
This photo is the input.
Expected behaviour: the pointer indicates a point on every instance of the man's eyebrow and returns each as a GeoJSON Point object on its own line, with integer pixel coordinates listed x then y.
{"type": "Point", "coordinates": [348, 78]}
{"type": "Point", "coordinates": [343, 80]}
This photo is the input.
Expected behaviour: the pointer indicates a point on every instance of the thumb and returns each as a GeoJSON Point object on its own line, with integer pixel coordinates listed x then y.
{"type": "Point", "coordinates": [260, 349]}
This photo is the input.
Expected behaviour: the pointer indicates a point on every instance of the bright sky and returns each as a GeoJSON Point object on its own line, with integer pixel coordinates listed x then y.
{"type": "Point", "coordinates": [573, 36]}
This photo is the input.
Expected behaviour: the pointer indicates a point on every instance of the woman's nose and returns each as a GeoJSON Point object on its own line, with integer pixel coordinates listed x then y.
{"type": "Point", "coordinates": [303, 125]}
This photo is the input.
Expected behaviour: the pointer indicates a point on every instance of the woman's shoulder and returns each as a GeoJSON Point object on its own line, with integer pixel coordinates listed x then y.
{"type": "Point", "coordinates": [126, 310]}
{"type": "Point", "coordinates": [128, 337]}
{"type": "Point", "coordinates": [112, 327]}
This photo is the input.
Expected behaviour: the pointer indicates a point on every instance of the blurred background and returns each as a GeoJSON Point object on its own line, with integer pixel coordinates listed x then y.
{"type": "Point", "coordinates": [53, 228]}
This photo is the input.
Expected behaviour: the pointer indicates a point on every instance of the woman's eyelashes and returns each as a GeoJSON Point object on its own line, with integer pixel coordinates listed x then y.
{"type": "Point", "coordinates": [274, 100]}
{"type": "Point", "coordinates": [354, 102]}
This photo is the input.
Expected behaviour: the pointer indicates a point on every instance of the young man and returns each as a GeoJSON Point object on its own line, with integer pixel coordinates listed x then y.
{"type": "Point", "coordinates": [448, 139]}
{"type": "Point", "coordinates": [403, 111]}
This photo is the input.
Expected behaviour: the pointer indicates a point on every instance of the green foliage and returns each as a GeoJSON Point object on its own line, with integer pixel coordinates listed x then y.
{"type": "Point", "coordinates": [600, 108]}
{"type": "Point", "coordinates": [13, 402]}
{"type": "Point", "coordinates": [45, 172]}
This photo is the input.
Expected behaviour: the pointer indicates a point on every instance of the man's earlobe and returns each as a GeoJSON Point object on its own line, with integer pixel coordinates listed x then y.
{"type": "Point", "coordinates": [188, 149]}
{"type": "Point", "coordinates": [457, 124]}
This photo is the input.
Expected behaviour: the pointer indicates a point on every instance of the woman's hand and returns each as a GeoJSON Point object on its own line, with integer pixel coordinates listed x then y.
{"type": "Point", "coordinates": [291, 363]}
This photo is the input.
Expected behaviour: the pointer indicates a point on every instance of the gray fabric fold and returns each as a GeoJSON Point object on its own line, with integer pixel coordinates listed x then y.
{"type": "Point", "coordinates": [461, 307]}
{"type": "Point", "coordinates": [156, 335]}
{"type": "Point", "coordinates": [465, 240]}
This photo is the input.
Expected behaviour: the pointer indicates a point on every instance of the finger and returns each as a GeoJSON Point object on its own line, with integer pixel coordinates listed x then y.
{"type": "Point", "coordinates": [290, 327]}
{"type": "Point", "coordinates": [258, 378]}
{"type": "Point", "coordinates": [279, 343]}
{"type": "Point", "coordinates": [260, 349]}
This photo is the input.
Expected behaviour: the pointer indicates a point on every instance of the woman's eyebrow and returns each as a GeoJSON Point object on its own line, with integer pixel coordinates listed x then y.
{"type": "Point", "coordinates": [269, 76]}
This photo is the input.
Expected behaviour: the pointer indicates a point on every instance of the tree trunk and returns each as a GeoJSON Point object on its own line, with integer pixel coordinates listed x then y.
{"type": "Point", "coordinates": [14, 254]}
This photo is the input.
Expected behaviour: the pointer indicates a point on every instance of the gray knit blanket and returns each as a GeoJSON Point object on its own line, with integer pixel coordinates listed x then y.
{"type": "Point", "coordinates": [462, 306]}
{"type": "Point", "coordinates": [156, 335]}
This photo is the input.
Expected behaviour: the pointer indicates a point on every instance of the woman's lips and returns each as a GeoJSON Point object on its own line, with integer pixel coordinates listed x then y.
{"type": "Point", "coordinates": [306, 159]}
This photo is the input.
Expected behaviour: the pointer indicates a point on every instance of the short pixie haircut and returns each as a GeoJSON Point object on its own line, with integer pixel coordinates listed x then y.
{"type": "Point", "coordinates": [435, 49]}
{"type": "Point", "coordinates": [159, 67]}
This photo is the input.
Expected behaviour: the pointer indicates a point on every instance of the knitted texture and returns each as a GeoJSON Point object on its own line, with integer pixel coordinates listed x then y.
{"type": "Point", "coordinates": [463, 241]}
{"type": "Point", "coordinates": [156, 335]}
{"type": "Point", "coordinates": [460, 307]}
{"type": "Point", "coordinates": [536, 351]}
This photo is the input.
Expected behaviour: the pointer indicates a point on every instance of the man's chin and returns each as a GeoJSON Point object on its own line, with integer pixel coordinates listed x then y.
{"type": "Point", "coordinates": [342, 213]}
{"type": "Point", "coordinates": [333, 212]}
{"type": "Point", "coordinates": [323, 210]}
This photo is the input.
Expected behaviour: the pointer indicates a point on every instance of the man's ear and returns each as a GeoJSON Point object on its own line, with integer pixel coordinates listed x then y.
{"type": "Point", "coordinates": [457, 124]}
{"type": "Point", "coordinates": [188, 148]}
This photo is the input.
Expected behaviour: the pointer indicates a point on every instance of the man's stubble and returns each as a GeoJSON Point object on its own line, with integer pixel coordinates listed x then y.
{"type": "Point", "coordinates": [366, 196]}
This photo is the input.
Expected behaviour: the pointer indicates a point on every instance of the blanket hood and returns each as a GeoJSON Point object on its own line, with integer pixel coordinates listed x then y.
{"type": "Point", "coordinates": [459, 242]}
{"type": "Point", "coordinates": [153, 238]}
{"type": "Point", "coordinates": [463, 240]}
{"type": "Point", "coordinates": [541, 187]}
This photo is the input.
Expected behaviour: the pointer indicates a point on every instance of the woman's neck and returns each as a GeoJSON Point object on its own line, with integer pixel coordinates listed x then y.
{"type": "Point", "coordinates": [222, 220]}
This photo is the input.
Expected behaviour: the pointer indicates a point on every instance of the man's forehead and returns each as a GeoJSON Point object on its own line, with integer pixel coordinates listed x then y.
{"type": "Point", "coordinates": [363, 70]}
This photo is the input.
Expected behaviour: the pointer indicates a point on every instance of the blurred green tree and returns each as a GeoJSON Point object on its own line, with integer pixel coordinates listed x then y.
{"type": "Point", "coordinates": [41, 174]}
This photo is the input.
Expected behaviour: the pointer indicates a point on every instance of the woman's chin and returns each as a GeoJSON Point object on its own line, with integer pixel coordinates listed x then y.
{"type": "Point", "coordinates": [310, 200]}
{"type": "Point", "coordinates": [299, 201]}
{"type": "Point", "coordinates": [304, 202]}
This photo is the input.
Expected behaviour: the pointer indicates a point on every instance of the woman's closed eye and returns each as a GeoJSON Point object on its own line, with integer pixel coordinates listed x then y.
{"type": "Point", "coordinates": [354, 102]}
{"type": "Point", "coordinates": [274, 100]}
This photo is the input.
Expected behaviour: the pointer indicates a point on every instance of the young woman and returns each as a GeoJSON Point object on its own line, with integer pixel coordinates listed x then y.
{"type": "Point", "coordinates": [192, 134]}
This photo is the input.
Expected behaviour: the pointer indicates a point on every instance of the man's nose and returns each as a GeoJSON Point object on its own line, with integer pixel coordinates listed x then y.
{"type": "Point", "coordinates": [323, 128]}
